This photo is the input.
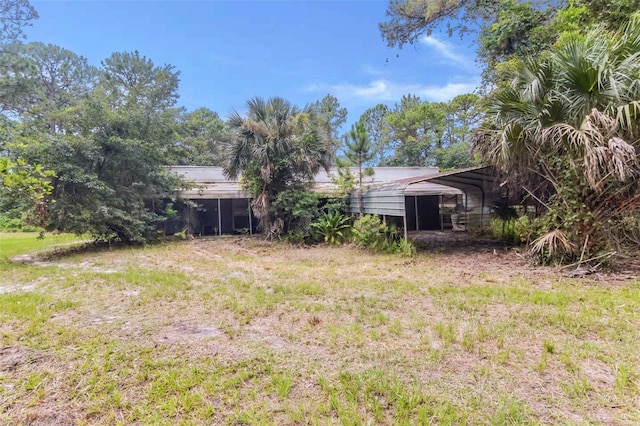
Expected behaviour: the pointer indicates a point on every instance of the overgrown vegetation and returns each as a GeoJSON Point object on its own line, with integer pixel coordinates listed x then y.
{"type": "Point", "coordinates": [231, 331]}
{"type": "Point", "coordinates": [370, 232]}
{"type": "Point", "coordinates": [278, 148]}
{"type": "Point", "coordinates": [83, 148]}
{"type": "Point", "coordinates": [333, 227]}
{"type": "Point", "coordinates": [562, 111]}
{"type": "Point", "coordinates": [566, 130]}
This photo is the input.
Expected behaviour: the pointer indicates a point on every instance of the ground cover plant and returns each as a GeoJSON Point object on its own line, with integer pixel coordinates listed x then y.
{"type": "Point", "coordinates": [244, 331]}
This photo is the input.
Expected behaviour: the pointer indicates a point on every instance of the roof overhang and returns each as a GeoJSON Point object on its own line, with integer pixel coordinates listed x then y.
{"type": "Point", "coordinates": [477, 184]}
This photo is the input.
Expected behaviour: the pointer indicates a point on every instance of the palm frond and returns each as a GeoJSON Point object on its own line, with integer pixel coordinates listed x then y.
{"type": "Point", "coordinates": [553, 243]}
{"type": "Point", "coordinates": [235, 120]}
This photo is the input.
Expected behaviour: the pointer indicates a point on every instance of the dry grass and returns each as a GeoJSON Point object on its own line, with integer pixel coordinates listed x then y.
{"type": "Point", "coordinates": [240, 331]}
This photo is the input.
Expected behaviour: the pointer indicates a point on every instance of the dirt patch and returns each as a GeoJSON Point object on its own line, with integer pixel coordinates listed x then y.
{"type": "Point", "coordinates": [13, 358]}
{"type": "Point", "coordinates": [49, 416]}
{"type": "Point", "coordinates": [186, 333]}
{"type": "Point", "coordinates": [17, 288]}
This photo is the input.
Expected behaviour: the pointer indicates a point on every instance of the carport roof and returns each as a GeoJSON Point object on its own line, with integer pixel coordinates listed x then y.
{"type": "Point", "coordinates": [482, 177]}
{"type": "Point", "coordinates": [477, 184]}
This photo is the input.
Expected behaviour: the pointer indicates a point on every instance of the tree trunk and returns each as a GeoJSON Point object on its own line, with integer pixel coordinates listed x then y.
{"type": "Point", "coordinates": [360, 202]}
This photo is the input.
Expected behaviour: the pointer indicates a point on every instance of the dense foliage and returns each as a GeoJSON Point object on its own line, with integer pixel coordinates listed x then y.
{"type": "Point", "coordinates": [505, 28]}
{"type": "Point", "coordinates": [370, 232]}
{"type": "Point", "coordinates": [104, 132]}
{"type": "Point", "coordinates": [277, 148]}
{"type": "Point", "coordinates": [421, 133]}
{"type": "Point", "coordinates": [566, 130]}
{"type": "Point", "coordinates": [83, 149]}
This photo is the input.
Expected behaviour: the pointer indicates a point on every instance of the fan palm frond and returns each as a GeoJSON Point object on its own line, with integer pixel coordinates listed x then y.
{"type": "Point", "coordinates": [279, 145]}
{"type": "Point", "coordinates": [553, 243]}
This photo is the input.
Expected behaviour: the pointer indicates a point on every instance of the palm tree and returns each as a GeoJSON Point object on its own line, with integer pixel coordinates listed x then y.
{"type": "Point", "coordinates": [570, 119]}
{"type": "Point", "coordinates": [275, 147]}
{"type": "Point", "coordinates": [358, 152]}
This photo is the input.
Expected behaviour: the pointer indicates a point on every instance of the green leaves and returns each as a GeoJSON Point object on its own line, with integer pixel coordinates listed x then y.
{"type": "Point", "coordinates": [505, 28]}
{"type": "Point", "coordinates": [333, 227]}
{"type": "Point", "coordinates": [420, 133]}
{"type": "Point", "coordinates": [330, 116]}
{"type": "Point", "coordinates": [276, 147]}
{"type": "Point", "coordinates": [565, 129]}
{"type": "Point", "coordinates": [24, 188]}
{"type": "Point", "coordinates": [14, 14]}
{"type": "Point", "coordinates": [357, 144]}
{"type": "Point", "coordinates": [106, 139]}
{"type": "Point", "coordinates": [131, 79]}
{"type": "Point", "coordinates": [202, 139]}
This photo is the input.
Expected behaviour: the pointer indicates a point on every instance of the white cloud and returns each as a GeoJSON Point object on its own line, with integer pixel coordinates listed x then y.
{"type": "Point", "coordinates": [388, 91]}
{"type": "Point", "coordinates": [372, 71]}
{"type": "Point", "coordinates": [447, 50]}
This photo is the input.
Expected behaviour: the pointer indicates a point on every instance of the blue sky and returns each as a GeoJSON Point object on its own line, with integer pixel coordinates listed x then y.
{"type": "Point", "coordinates": [229, 51]}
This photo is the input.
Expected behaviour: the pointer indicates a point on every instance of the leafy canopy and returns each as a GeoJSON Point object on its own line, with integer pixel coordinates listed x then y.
{"type": "Point", "coordinates": [276, 147]}
{"type": "Point", "coordinates": [106, 133]}
{"type": "Point", "coordinates": [505, 28]}
{"type": "Point", "coordinates": [567, 129]}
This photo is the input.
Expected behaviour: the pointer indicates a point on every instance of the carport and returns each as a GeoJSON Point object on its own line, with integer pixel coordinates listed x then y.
{"type": "Point", "coordinates": [419, 201]}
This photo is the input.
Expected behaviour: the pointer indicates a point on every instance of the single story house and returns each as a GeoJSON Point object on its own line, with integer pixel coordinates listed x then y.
{"type": "Point", "coordinates": [415, 198]}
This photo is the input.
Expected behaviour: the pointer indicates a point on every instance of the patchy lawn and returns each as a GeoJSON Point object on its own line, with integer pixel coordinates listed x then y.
{"type": "Point", "coordinates": [240, 331]}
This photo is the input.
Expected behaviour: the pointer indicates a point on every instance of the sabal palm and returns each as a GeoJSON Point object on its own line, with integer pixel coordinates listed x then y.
{"type": "Point", "coordinates": [576, 108]}
{"type": "Point", "coordinates": [275, 145]}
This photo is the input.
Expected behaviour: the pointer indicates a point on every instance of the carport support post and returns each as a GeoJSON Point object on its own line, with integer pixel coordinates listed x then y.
{"type": "Point", "coordinates": [404, 220]}
{"type": "Point", "coordinates": [440, 211]}
{"type": "Point", "coordinates": [466, 207]}
{"type": "Point", "coordinates": [482, 212]}
{"type": "Point", "coordinates": [415, 203]}
{"type": "Point", "coordinates": [249, 210]}
{"type": "Point", "coordinates": [219, 219]}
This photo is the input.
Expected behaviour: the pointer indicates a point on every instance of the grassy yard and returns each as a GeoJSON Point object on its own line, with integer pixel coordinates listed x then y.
{"type": "Point", "coordinates": [240, 331]}
{"type": "Point", "coordinates": [17, 243]}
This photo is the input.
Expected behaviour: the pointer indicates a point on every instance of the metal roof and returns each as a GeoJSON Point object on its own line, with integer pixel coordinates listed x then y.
{"type": "Point", "coordinates": [388, 198]}
{"type": "Point", "coordinates": [210, 181]}
{"type": "Point", "coordinates": [384, 193]}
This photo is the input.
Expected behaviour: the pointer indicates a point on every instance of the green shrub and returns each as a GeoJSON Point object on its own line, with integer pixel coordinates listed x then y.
{"type": "Point", "coordinates": [525, 230]}
{"type": "Point", "coordinates": [333, 227]}
{"type": "Point", "coordinates": [370, 232]}
{"type": "Point", "coordinates": [296, 236]}
{"type": "Point", "coordinates": [8, 224]}
{"type": "Point", "coordinates": [514, 231]}
{"type": "Point", "coordinates": [297, 208]}
{"type": "Point", "coordinates": [404, 248]}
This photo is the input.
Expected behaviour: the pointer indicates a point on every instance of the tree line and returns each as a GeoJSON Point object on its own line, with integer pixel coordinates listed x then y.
{"type": "Point", "coordinates": [83, 147]}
